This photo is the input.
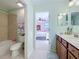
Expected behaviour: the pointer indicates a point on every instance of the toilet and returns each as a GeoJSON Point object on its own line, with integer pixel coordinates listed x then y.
{"type": "Point", "coordinates": [15, 49]}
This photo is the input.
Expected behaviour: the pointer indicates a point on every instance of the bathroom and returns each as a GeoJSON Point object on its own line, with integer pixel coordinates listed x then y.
{"type": "Point", "coordinates": [12, 30]}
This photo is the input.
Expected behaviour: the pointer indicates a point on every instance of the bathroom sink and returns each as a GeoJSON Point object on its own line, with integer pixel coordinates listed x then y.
{"type": "Point", "coordinates": [76, 35]}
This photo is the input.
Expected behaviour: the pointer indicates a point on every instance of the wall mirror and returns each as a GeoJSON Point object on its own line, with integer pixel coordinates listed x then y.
{"type": "Point", "coordinates": [75, 18]}
{"type": "Point", "coordinates": [62, 20]}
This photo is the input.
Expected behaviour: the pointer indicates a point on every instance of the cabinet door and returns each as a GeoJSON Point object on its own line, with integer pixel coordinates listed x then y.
{"type": "Point", "coordinates": [70, 56]}
{"type": "Point", "coordinates": [74, 51]}
{"type": "Point", "coordinates": [58, 48]}
{"type": "Point", "coordinates": [63, 52]}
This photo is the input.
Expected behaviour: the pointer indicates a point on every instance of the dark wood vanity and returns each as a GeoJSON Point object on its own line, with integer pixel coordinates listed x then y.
{"type": "Point", "coordinates": [65, 50]}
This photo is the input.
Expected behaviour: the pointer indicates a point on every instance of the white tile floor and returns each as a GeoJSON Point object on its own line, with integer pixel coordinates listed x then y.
{"type": "Point", "coordinates": [42, 51]}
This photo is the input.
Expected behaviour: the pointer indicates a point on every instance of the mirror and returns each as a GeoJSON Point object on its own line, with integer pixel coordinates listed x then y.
{"type": "Point", "coordinates": [63, 20]}
{"type": "Point", "coordinates": [75, 18]}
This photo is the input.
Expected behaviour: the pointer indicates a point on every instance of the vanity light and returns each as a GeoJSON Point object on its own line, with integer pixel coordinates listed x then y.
{"type": "Point", "coordinates": [60, 17]}
{"type": "Point", "coordinates": [61, 14]}
{"type": "Point", "coordinates": [64, 14]}
{"type": "Point", "coordinates": [20, 4]}
{"type": "Point", "coordinates": [71, 3]}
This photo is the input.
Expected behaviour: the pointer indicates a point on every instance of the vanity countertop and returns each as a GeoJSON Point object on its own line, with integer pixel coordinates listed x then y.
{"type": "Point", "coordinates": [70, 39]}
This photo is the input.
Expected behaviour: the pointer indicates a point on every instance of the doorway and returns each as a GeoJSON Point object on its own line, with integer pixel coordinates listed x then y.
{"type": "Point", "coordinates": [41, 29]}
{"type": "Point", "coordinates": [12, 29]}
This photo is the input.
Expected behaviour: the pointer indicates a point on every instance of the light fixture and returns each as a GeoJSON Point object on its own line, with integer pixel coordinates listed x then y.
{"type": "Point", "coordinates": [60, 17]}
{"type": "Point", "coordinates": [71, 3]}
{"type": "Point", "coordinates": [61, 14]}
{"type": "Point", "coordinates": [64, 14]}
{"type": "Point", "coordinates": [20, 4]}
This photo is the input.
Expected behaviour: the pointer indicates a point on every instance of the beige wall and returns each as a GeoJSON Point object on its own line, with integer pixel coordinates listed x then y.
{"type": "Point", "coordinates": [3, 26]}
{"type": "Point", "coordinates": [12, 25]}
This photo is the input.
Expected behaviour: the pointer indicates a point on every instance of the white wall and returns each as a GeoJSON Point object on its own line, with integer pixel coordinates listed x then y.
{"type": "Point", "coordinates": [20, 15]}
{"type": "Point", "coordinates": [28, 30]}
{"type": "Point", "coordinates": [54, 10]}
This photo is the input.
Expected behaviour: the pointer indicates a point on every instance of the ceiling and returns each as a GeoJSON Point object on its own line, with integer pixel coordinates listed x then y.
{"type": "Point", "coordinates": [8, 4]}
{"type": "Point", "coordinates": [44, 2]}
{"type": "Point", "coordinates": [11, 4]}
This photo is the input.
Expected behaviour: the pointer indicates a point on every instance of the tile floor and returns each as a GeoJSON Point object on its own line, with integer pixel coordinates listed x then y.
{"type": "Point", "coordinates": [43, 51]}
{"type": "Point", "coordinates": [8, 56]}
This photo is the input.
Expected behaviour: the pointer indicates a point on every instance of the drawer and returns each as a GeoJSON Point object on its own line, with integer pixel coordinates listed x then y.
{"type": "Point", "coordinates": [74, 51]}
{"type": "Point", "coordinates": [64, 43]}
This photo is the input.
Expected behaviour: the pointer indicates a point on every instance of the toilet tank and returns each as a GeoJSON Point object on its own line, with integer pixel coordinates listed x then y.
{"type": "Point", "coordinates": [21, 38]}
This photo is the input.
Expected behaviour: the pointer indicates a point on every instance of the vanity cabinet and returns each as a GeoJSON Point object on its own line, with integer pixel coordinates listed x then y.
{"type": "Point", "coordinates": [73, 50]}
{"type": "Point", "coordinates": [58, 48]}
{"type": "Point", "coordinates": [65, 50]}
{"type": "Point", "coordinates": [61, 49]}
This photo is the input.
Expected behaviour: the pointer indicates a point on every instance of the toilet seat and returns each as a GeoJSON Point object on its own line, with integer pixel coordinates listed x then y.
{"type": "Point", "coordinates": [16, 46]}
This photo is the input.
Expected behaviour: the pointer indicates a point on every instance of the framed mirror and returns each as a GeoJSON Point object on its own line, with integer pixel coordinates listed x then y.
{"type": "Point", "coordinates": [75, 18]}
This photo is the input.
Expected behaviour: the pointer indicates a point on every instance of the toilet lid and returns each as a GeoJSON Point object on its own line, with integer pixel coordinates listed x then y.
{"type": "Point", "coordinates": [16, 46]}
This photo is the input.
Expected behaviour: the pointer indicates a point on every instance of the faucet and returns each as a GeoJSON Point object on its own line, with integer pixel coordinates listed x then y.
{"type": "Point", "coordinates": [69, 30]}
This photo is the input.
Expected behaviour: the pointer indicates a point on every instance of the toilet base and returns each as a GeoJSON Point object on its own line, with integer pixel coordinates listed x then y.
{"type": "Point", "coordinates": [15, 53]}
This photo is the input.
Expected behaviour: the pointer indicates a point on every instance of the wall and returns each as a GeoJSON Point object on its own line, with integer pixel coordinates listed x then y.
{"type": "Point", "coordinates": [3, 26]}
{"type": "Point", "coordinates": [54, 10]}
{"type": "Point", "coordinates": [12, 26]}
{"type": "Point", "coordinates": [20, 15]}
{"type": "Point", "coordinates": [28, 28]}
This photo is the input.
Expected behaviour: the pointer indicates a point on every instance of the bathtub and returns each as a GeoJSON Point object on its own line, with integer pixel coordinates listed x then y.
{"type": "Point", "coordinates": [5, 47]}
